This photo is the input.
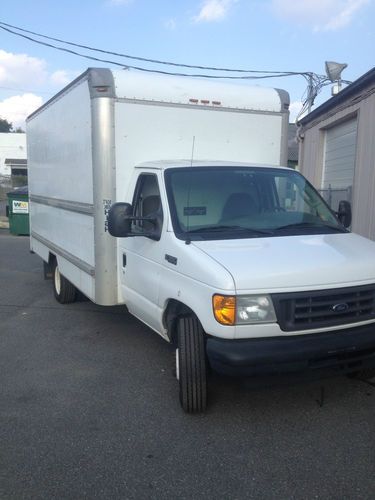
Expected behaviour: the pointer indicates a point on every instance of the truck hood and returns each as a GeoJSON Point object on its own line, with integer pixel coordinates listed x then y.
{"type": "Point", "coordinates": [289, 263]}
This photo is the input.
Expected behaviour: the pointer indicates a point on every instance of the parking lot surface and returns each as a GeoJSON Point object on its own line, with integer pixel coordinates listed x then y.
{"type": "Point", "coordinates": [89, 409]}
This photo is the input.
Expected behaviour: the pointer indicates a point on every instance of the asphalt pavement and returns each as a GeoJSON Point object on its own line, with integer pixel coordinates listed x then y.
{"type": "Point", "coordinates": [89, 409]}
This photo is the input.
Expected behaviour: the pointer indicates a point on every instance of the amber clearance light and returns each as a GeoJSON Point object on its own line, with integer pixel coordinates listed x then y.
{"type": "Point", "coordinates": [224, 309]}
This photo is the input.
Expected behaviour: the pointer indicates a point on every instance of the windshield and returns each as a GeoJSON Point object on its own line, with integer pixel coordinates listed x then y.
{"type": "Point", "coordinates": [243, 202]}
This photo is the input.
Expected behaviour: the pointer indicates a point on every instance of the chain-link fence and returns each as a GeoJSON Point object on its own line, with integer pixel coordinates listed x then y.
{"type": "Point", "coordinates": [333, 196]}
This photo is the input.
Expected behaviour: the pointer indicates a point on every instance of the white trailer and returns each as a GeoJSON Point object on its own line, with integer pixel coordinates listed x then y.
{"type": "Point", "coordinates": [166, 194]}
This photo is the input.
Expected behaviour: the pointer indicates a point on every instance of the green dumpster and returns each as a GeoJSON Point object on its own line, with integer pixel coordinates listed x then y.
{"type": "Point", "coordinates": [18, 211]}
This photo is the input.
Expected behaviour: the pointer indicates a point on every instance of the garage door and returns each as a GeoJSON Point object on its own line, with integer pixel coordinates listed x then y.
{"type": "Point", "coordinates": [339, 157]}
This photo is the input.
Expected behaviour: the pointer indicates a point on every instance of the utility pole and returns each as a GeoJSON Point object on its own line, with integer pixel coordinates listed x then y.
{"type": "Point", "coordinates": [310, 92]}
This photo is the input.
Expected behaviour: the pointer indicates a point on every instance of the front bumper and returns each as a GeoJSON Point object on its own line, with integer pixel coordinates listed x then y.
{"type": "Point", "coordinates": [342, 351]}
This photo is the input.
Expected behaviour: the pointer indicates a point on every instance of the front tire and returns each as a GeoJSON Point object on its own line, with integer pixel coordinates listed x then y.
{"type": "Point", "coordinates": [64, 291]}
{"type": "Point", "coordinates": [191, 365]}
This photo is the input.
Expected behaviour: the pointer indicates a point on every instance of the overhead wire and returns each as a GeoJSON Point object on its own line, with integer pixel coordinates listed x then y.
{"type": "Point", "coordinates": [314, 81]}
{"type": "Point", "coordinates": [139, 68]}
{"type": "Point", "coordinates": [143, 59]}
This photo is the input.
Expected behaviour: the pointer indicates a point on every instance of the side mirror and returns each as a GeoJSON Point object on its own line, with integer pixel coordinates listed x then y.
{"type": "Point", "coordinates": [344, 213]}
{"type": "Point", "coordinates": [119, 219]}
{"type": "Point", "coordinates": [7, 211]}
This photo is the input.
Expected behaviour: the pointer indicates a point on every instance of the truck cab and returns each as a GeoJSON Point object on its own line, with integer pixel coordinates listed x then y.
{"type": "Point", "coordinates": [246, 270]}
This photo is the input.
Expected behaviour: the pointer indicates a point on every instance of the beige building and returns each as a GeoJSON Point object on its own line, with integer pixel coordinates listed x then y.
{"type": "Point", "coordinates": [337, 150]}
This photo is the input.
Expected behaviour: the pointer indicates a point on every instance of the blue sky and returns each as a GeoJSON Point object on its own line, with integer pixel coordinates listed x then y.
{"type": "Point", "coordinates": [272, 35]}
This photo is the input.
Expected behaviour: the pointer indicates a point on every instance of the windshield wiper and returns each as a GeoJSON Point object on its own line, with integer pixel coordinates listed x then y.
{"type": "Point", "coordinates": [217, 229]}
{"type": "Point", "coordinates": [313, 225]}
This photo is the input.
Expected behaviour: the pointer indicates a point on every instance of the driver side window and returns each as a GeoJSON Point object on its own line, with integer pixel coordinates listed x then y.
{"type": "Point", "coordinates": [146, 203]}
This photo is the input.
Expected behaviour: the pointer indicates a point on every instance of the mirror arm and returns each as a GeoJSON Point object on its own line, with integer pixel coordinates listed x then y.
{"type": "Point", "coordinates": [135, 218]}
{"type": "Point", "coordinates": [151, 219]}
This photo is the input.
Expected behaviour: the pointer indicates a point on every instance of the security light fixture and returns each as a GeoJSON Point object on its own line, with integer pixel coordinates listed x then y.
{"type": "Point", "coordinates": [334, 70]}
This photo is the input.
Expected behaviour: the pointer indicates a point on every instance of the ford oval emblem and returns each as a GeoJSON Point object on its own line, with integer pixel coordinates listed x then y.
{"type": "Point", "coordinates": [340, 308]}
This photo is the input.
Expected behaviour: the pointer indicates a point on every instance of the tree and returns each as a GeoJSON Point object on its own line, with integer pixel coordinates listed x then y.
{"type": "Point", "coordinates": [5, 126]}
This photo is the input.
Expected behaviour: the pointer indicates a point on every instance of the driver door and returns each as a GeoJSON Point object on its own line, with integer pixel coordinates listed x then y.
{"type": "Point", "coordinates": [142, 255]}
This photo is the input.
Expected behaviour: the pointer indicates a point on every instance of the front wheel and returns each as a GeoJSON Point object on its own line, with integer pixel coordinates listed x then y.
{"type": "Point", "coordinates": [64, 291]}
{"type": "Point", "coordinates": [191, 365]}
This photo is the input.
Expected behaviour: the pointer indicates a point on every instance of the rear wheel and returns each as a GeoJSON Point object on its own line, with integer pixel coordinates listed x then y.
{"type": "Point", "coordinates": [191, 365]}
{"type": "Point", "coordinates": [64, 291]}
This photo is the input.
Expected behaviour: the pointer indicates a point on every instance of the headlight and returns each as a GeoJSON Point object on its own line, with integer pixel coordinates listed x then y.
{"type": "Point", "coordinates": [255, 309]}
{"type": "Point", "coordinates": [243, 309]}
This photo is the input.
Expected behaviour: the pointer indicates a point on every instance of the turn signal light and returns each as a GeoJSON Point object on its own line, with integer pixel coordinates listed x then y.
{"type": "Point", "coordinates": [224, 309]}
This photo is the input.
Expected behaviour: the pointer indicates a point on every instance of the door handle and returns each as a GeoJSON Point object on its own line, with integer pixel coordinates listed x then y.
{"type": "Point", "coordinates": [123, 260]}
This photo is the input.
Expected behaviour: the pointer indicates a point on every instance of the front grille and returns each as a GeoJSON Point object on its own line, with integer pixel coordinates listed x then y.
{"type": "Point", "coordinates": [324, 308]}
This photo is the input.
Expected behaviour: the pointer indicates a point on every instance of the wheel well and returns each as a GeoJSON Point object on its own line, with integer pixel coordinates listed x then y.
{"type": "Point", "coordinates": [174, 310]}
{"type": "Point", "coordinates": [51, 259]}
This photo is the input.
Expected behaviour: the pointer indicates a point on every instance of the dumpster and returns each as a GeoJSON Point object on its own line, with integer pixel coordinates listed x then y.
{"type": "Point", "coordinates": [18, 211]}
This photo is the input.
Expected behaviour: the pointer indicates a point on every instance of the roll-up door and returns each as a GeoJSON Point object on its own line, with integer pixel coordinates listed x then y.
{"type": "Point", "coordinates": [339, 158]}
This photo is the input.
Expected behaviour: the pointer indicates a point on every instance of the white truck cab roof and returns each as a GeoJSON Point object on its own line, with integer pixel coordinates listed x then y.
{"type": "Point", "coordinates": [165, 164]}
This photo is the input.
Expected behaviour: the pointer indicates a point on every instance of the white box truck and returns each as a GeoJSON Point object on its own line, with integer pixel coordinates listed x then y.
{"type": "Point", "coordinates": [166, 194]}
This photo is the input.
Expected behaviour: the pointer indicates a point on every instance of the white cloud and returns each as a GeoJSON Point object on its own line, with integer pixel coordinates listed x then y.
{"type": "Point", "coordinates": [344, 17]}
{"type": "Point", "coordinates": [322, 15]}
{"type": "Point", "coordinates": [16, 69]}
{"type": "Point", "coordinates": [61, 77]}
{"type": "Point", "coordinates": [19, 72]}
{"type": "Point", "coordinates": [214, 10]}
{"type": "Point", "coordinates": [15, 109]}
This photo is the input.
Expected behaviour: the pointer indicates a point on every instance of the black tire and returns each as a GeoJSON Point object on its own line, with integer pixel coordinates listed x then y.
{"type": "Point", "coordinates": [366, 374]}
{"type": "Point", "coordinates": [64, 291]}
{"type": "Point", "coordinates": [191, 365]}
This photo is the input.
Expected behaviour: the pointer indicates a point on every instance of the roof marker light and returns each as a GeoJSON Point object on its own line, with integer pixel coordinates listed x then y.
{"type": "Point", "coordinates": [101, 88]}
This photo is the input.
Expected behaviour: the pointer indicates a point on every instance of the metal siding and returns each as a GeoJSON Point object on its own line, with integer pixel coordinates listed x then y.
{"type": "Point", "coordinates": [59, 148]}
{"type": "Point", "coordinates": [311, 160]}
{"type": "Point", "coordinates": [364, 184]}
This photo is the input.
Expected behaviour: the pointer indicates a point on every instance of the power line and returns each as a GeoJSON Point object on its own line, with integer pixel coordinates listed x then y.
{"type": "Point", "coordinates": [144, 59]}
{"type": "Point", "coordinates": [314, 82]}
{"type": "Point", "coordinates": [92, 58]}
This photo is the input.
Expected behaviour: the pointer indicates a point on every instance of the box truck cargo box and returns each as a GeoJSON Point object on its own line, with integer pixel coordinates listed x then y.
{"type": "Point", "coordinates": [167, 195]}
